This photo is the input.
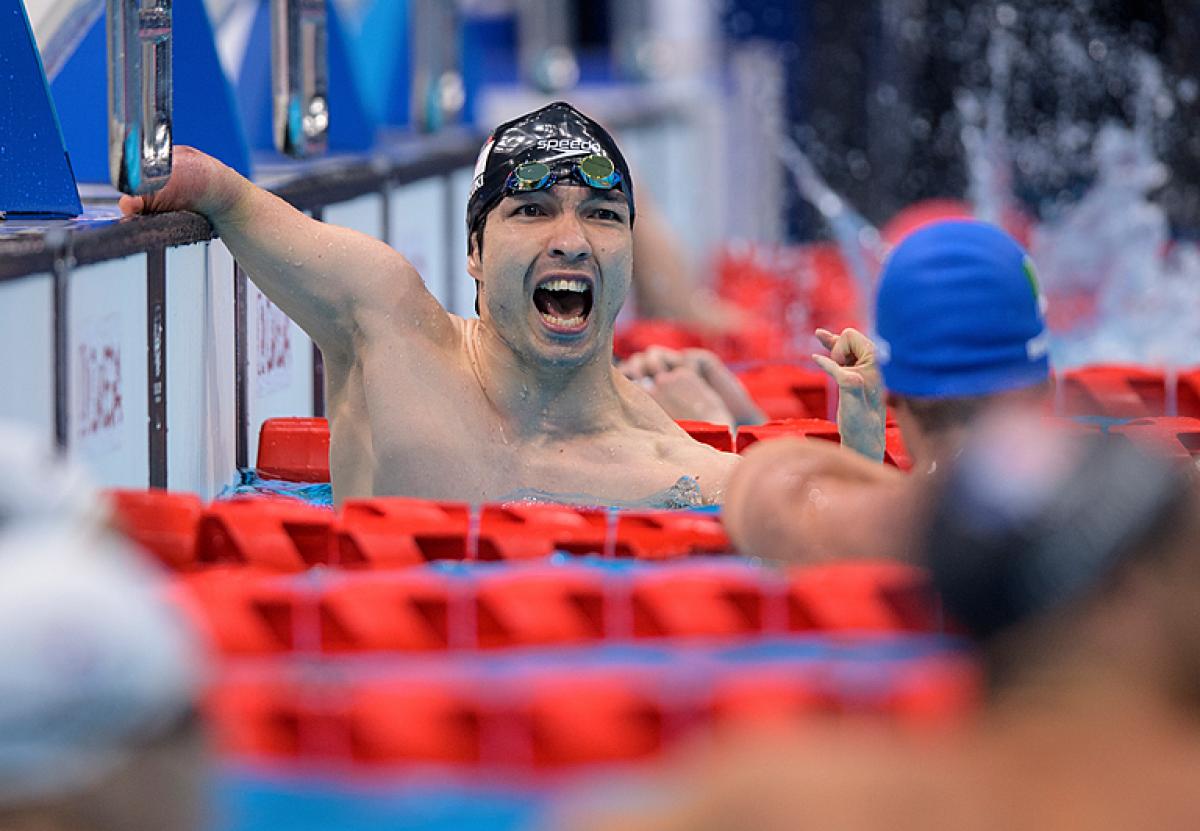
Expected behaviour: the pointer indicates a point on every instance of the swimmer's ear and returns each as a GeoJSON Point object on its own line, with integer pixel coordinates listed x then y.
{"type": "Point", "coordinates": [474, 261]}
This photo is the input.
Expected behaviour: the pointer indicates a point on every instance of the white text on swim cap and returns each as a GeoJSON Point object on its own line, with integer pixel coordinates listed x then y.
{"type": "Point", "coordinates": [569, 144]}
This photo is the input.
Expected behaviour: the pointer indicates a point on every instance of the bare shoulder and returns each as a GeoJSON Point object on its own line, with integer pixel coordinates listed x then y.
{"type": "Point", "coordinates": [805, 500]}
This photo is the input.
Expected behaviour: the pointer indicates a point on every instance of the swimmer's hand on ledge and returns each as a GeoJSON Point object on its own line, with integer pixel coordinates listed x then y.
{"type": "Point", "coordinates": [861, 409]}
{"type": "Point", "coordinates": [198, 183]}
{"type": "Point", "coordinates": [692, 384]}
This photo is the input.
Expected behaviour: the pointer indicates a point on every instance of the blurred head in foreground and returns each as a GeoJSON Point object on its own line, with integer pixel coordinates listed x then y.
{"type": "Point", "coordinates": [99, 676]}
{"type": "Point", "coordinates": [1058, 551]}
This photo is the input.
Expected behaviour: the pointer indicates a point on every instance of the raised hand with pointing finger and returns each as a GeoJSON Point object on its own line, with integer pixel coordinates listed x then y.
{"type": "Point", "coordinates": [861, 408]}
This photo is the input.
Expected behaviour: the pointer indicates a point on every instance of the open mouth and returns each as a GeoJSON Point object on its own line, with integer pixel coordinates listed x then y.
{"type": "Point", "coordinates": [564, 303]}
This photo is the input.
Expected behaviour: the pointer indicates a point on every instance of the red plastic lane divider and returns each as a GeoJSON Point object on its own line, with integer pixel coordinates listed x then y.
{"type": "Point", "coordinates": [405, 611]}
{"type": "Point", "coordinates": [416, 720]}
{"type": "Point", "coordinates": [702, 600]}
{"type": "Point", "coordinates": [862, 596]}
{"type": "Point", "coordinates": [279, 534]}
{"type": "Point", "coordinates": [397, 531]}
{"type": "Point", "coordinates": [895, 453]}
{"type": "Point", "coordinates": [520, 531]}
{"type": "Point", "coordinates": [547, 718]}
{"type": "Point", "coordinates": [1178, 437]}
{"type": "Point", "coordinates": [540, 606]}
{"type": "Point", "coordinates": [785, 391]}
{"type": "Point", "coordinates": [714, 435]}
{"type": "Point", "coordinates": [816, 428]}
{"type": "Point", "coordinates": [658, 535]}
{"type": "Point", "coordinates": [295, 449]}
{"type": "Point", "coordinates": [1128, 391]}
{"type": "Point", "coordinates": [162, 522]}
{"type": "Point", "coordinates": [249, 611]}
{"type": "Point", "coordinates": [246, 611]}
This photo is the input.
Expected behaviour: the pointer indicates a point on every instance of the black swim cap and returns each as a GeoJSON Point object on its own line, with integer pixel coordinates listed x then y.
{"type": "Point", "coordinates": [1028, 520]}
{"type": "Point", "coordinates": [554, 134]}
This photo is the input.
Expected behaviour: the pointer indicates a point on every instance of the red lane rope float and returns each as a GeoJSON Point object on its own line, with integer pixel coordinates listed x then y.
{"type": "Point", "coordinates": [1177, 437]}
{"type": "Point", "coordinates": [714, 435]}
{"type": "Point", "coordinates": [544, 718]}
{"type": "Point", "coordinates": [295, 449]}
{"type": "Point", "coordinates": [895, 453]}
{"type": "Point", "coordinates": [279, 534]}
{"type": "Point", "coordinates": [1114, 390]}
{"type": "Point", "coordinates": [249, 611]}
{"type": "Point", "coordinates": [396, 531]}
{"type": "Point", "coordinates": [162, 522]}
{"type": "Point", "coordinates": [783, 391]}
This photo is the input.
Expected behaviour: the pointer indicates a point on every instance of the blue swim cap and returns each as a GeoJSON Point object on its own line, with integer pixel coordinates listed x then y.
{"type": "Point", "coordinates": [959, 313]}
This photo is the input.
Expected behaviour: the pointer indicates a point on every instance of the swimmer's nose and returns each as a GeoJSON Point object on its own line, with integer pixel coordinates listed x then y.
{"type": "Point", "coordinates": [568, 242]}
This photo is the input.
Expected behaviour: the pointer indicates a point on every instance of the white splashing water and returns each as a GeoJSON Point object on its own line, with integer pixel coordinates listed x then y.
{"type": "Point", "coordinates": [1120, 289]}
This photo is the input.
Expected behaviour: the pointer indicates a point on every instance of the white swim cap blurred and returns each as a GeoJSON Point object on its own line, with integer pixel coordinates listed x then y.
{"type": "Point", "coordinates": [92, 658]}
{"type": "Point", "coordinates": [40, 487]}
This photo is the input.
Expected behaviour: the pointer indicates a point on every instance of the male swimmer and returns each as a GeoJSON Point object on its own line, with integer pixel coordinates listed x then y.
{"type": "Point", "coordinates": [959, 319]}
{"type": "Point", "coordinates": [523, 400]}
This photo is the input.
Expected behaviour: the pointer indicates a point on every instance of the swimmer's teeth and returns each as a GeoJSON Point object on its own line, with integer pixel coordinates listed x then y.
{"type": "Point", "coordinates": [567, 322]}
{"type": "Point", "coordinates": [563, 284]}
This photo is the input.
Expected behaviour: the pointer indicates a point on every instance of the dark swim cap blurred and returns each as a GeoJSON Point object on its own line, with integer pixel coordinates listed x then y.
{"type": "Point", "coordinates": [1028, 519]}
{"type": "Point", "coordinates": [554, 134]}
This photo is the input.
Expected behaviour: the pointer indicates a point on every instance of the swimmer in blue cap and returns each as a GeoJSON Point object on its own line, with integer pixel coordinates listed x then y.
{"type": "Point", "coordinates": [524, 401]}
{"type": "Point", "coordinates": [960, 329]}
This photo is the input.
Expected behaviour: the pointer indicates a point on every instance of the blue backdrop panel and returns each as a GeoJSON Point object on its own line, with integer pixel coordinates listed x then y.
{"type": "Point", "coordinates": [383, 60]}
{"type": "Point", "coordinates": [489, 56]}
{"type": "Point", "coordinates": [35, 171]}
{"type": "Point", "coordinates": [206, 111]}
{"type": "Point", "coordinates": [204, 114]}
{"type": "Point", "coordinates": [351, 128]}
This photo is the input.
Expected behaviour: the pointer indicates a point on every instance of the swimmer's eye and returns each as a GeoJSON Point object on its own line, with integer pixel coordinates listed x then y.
{"type": "Point", "coordinates": [529, 209]}
{"type": "Point", "coordinates": [608, 215]}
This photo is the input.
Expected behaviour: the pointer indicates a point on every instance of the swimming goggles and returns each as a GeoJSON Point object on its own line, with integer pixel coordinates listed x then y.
{"type": "Point", "coordinates": [594, 171]}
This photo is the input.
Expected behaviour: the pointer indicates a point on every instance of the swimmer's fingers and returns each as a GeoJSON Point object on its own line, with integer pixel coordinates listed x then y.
{"type": "Point", "coordinates": [131, 205]}
{"type": "Point", "coordinates": [632, 367]}
{"type": "Point", "coordinates": [826, 338]}
{"type": "Point", "coordinates": [685, 395]}
{"type": "Point", "coordinates": [852, 348]}
{"type": "Point", "coordinates": [659, 359]}
{"type": "Point", "coordinates": [845, 378]}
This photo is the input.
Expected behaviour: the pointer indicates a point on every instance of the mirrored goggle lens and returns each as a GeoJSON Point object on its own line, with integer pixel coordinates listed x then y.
{"type": "Point", "coordinates": [599, 172]}
{"type": "Point", "coordinates": [529, 176]}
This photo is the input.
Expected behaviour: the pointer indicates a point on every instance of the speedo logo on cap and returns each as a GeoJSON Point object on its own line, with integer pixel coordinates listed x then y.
{"type": "Point", "coordinates": [569, 144]}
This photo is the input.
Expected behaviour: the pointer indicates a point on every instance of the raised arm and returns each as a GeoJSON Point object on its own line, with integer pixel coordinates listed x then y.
{"type": "Point", "coordinates": [337, 284]}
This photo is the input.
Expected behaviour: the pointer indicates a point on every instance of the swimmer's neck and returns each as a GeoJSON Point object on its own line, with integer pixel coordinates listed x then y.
{"type": "Point", "coordinates": [544, 400]}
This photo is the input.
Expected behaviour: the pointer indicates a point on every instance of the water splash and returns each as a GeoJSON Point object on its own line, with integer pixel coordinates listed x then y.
{"type": "Point", "coordinates": [1120, 289]}
{"type": "Point", "coordinates": [858, 240]}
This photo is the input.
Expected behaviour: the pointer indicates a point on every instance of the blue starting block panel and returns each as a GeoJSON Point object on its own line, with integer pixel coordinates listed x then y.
{"type": "Point", "coordinates": [35, 172]}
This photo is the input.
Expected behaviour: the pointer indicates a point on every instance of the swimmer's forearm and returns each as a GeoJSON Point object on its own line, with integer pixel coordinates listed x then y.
{"type": "Point", "coordinates": [861, 426]}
